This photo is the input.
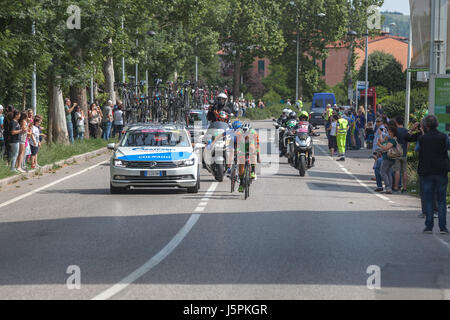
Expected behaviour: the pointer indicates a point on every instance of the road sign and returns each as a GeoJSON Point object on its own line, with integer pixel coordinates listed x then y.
{"type": "Point", "coordinates": [440, 105]}
{"type": "Point", "coordinates": [361, 85]}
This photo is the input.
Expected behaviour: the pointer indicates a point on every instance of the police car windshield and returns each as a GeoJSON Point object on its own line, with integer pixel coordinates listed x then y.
{"type": "Point", "coordinates": [155, 138]}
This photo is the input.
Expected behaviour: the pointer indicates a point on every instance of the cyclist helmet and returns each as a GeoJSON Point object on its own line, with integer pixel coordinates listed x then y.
{"type": "Point", "coordinates": [236, 124]}
{"type": "Point", "coordinates": [222, 99]}
{"type": "Point", "coordinates": [223, 116]}
{"type": "Point", "coordinates": [293, 115]}
{"type": "Point", "coordinates": [246, 127]}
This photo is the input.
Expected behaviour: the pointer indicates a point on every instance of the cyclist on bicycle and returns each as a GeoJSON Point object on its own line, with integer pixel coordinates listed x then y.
{"type": "Point", "coordinates": [247, 146]}
{"type": "Point", "coordinates": [236, 125]}
{"type": "Point", "coordinates": [217, 107]}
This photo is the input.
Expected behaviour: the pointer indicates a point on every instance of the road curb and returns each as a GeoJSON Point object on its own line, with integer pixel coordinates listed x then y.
{"type": "Point", "coordinates": [50, 167]}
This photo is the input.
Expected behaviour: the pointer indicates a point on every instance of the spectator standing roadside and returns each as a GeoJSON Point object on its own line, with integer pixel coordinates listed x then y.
{"type": "Point", "coordinates": [118, 121]}
{"type": "Point", "coordinates": [79, 118]}
{"type": "Point", "coordinates": [332, 141]}
{"type": "Point", "coordinates": [433, 169]}
{"type": "Point", "coordinates": [35, 143]}
{"type": "Point", "coordinates": [107, 120]}
{"type": "Point", "coordinates": [299, 104]}
{"type": "Point", "coordinates": [385, 144]}
{"type": "Point", "coordinates": [370, 115]}
{"type": "Point", "coordinates": [401, 165]}
{"type": "Point", "coordinates": [94, 120]}
{"type": "Point", "coordinates": [260, 104]}
{"type": "Point", "coordinates": [22, 140]}
{"type": "Point", "coordinates": [15, 130]}
{"type": "Point", "coordinates": [68, 108]}
{"type": "Point", "coordinates": [360, 128]}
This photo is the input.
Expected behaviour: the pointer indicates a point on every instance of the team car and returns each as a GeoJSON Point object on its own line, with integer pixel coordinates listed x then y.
{"type": "Point", "coordinates": [156, 156]}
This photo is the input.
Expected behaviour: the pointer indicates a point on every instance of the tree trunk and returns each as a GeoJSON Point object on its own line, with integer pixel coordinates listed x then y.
{"type": "Point", "coordinates": [79, 95]}
{"type": "Point", "coordinates": [108, 72]}
{"type": "Point", "coordinates": [24, 96]}
{"type": "Point", "coordinates": [57, 114]}
{"type": "Point", "coordinates": [237, 77]}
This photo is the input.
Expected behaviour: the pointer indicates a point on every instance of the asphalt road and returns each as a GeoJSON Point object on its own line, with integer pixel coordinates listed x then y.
{"type": "Point", "coordinates": [311, 237]}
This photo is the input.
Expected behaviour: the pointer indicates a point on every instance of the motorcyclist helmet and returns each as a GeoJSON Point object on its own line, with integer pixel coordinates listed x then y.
{"type": "Point", "coordinates": [291, 123]}
{"type": "Point", "coordinates": [304, 115]}
{"type": "Point", "coordinates": [293, 115]}
{"type": "Point", "coordinates": [222, 99]}
{"type": "Point", "coordinates": [236, 124]}
{"type": "Point", "coordinates": [285, 111]}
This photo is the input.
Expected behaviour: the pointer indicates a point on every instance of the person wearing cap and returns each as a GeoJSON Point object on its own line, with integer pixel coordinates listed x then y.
{"type": "Point", "coordinates": [342, 129]}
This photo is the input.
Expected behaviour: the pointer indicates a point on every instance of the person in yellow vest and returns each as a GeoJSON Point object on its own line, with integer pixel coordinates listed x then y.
{"type": "Point", "coordinates": [299, 104]}
{"type": "Point", "coordinates": [341, 137]}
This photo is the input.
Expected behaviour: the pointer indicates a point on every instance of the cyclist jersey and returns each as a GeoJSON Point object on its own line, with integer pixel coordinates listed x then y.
{"type": "Point", "coordinates": [251, 139]}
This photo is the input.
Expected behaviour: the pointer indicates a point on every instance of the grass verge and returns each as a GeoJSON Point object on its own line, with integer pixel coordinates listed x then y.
{"type": "Point", "coordinates": [57, 152]}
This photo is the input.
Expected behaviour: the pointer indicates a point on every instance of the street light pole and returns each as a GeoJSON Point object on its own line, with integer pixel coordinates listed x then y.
{"type": "Point", "coordinates": [33, 78]}
{"type": "Point", "coordinates": [408, 81]}
{"type": "Point", "coordinates": [367, 72]}
{"type": "Point", "coordinates": [137, 68]}
{"type": "Point", "coordinates": [123, 61]}
{"type": "Point", "coordinates": [296, 71]}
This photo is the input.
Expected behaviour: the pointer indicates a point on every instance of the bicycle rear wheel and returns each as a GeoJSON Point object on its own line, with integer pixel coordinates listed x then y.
{"type": "Point", "coordinates": [233, 177]}
{"type": "Point", "coordinates": [247, 180]}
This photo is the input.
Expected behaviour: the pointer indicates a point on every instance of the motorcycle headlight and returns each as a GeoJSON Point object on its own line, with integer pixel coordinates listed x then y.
{"type": "Point", "coordinates": [119, 163]}
{"type": "Point", "coordinates": [185, 163]}
{"type": "Point", "coordinates": [220, 144]}
{"type": "Point", "coordinates": [308, 140]}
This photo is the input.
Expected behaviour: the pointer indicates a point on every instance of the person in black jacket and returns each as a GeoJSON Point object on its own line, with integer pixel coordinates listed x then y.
{"type": "Point", "coordinates": [433, 168]}
{"type": "Point", "coordinates": [219, 105]}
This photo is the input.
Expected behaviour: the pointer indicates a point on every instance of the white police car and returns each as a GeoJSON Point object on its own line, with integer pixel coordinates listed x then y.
{"type": "Point", "coordinates": [154, 155]}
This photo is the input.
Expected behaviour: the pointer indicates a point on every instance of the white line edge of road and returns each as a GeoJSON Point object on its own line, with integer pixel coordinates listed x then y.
{"type": "Point", "coordinates": [156, 259]}
{"type": "Point", "coordinates": [443, 242]}
{"type": "Point", "coordinates": [4, 204]}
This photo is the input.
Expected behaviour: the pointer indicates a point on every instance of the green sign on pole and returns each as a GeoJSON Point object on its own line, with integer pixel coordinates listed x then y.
{"type": "Point", "coordinates": [442, 102]}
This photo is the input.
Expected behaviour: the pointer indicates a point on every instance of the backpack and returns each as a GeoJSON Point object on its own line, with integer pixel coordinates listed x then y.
{"type": "Point", "coordinates": [395, 152]}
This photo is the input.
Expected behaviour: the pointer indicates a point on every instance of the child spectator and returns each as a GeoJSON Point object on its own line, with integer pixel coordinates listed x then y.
{"type": "Point", "coordinates": [35, 144]}
{"type": "Point", "coordinates": [79, 118]}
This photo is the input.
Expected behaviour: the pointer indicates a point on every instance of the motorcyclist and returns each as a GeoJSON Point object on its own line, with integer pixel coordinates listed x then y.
{"type": "Point", "coordinates": [306, 127]}
{"type": "Point", "coordinates": [247, 142]}
{"type": "Point", "coordinates": [219, 105]}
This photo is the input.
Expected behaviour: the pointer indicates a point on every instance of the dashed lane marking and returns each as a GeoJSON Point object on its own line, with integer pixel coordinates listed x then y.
{"type": "Point", "coordinates": [156, 259]}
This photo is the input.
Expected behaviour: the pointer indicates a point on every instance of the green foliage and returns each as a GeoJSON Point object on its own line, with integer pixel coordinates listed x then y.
{"type": "Point", "coordinates": [394, 105]}
{"type": "Point", "coordinates": [384, 70]}
{"type": "Point", "coordinates": [272, 111]}
{"type": "Point", "coordinates": [271, 97]}
{"type": "Point", "coordinates": [277, 81]}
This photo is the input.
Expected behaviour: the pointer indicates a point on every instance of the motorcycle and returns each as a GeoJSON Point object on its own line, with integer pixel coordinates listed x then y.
{"type": "Point", "coordinates": [216, 150]}
{"type": "Point", "coordinates": [303, 154]}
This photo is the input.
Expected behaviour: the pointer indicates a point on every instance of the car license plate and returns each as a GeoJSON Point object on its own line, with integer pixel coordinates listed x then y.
{"type": "Point", "coordinates": [153, 173]}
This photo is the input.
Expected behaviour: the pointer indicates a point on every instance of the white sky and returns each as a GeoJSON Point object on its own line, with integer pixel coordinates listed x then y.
{"type": "Point", "coordinates": [396, 5]}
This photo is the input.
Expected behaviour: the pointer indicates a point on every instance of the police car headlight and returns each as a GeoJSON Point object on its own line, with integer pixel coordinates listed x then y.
{"type": "Point", "coordinates": [119, 163]}
{"type": "Point", "coordinates": [186, 163]}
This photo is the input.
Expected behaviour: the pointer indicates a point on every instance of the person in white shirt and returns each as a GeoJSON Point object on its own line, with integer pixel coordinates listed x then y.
{"type": "Point", "coordinates": [35, 143]}
{"type": "Point", "coordinates": [118, 121]}
{"type": "Point", "coordinates": [332, 141]}
{"type": "Point", "coordinates": [79, 118]}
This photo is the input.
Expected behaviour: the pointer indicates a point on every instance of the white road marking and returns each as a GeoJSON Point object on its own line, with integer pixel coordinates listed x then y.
{"type": "Point", "coordinates": [4, 204]}
{"type": "Point", "coordinates": [443, 242]}
{"type": "Point", "coordinates": [199, 209]}
{"type": "Point", "coordinates": [156, 259]}
{"type": "Point", "coordinates": [203, 204]}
